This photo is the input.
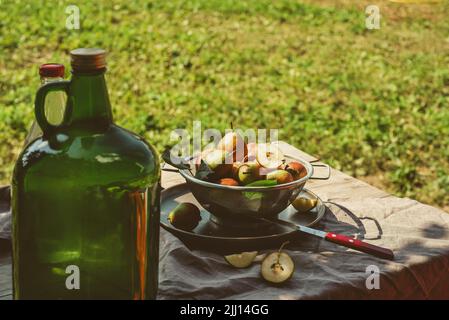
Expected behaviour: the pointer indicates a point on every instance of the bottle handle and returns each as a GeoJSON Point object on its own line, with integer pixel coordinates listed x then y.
{"type": "Point", "coordinates": [39, 104]}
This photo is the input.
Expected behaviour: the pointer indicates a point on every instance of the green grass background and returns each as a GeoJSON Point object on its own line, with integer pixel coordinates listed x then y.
{"type": "Point", "coordinates": [373, 103]}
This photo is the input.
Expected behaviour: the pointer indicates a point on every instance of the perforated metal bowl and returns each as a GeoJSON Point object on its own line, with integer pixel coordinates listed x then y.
{"type": "Point", "coordinates": [240, 204]}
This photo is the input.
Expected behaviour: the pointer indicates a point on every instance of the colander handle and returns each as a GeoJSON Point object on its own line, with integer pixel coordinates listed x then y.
{"type": "Point", "coordinates": [322, 166]}
{"type": "Point", "coordinates": [163, 168]}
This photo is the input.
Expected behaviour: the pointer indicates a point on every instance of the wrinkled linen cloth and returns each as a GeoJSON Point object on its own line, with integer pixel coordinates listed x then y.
{"type": "Point", "coordinates": [418, 234]}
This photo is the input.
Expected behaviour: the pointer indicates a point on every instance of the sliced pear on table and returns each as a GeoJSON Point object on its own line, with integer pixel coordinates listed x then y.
{"type": "Point", "coordinates": [277, 267]}
{"type": "Point", "coordinates": [241, 260]}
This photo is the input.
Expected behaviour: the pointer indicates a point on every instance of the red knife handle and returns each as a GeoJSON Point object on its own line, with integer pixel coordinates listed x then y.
{"type": "Point", "coordinates": [360, 245]}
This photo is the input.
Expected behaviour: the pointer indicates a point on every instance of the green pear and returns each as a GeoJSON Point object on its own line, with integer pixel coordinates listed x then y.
{"type": "Point", "coordinates": [185, 216]}
{"type": "Point", "coordinates": [249, 172]}
{"type": "Point", "coordinates": [235, 169]}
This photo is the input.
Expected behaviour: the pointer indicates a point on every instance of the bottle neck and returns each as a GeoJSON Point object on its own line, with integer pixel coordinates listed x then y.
{"type": "Point", "coordinates": [90, 100]}
{"type": "Point", "coordinates": [45, 80]}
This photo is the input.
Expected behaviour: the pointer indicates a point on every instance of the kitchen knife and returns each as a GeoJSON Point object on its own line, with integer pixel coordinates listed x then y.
{"type": "Point", "coordinates": [342, 240]}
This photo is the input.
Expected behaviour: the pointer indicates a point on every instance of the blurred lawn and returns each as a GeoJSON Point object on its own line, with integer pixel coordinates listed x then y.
{"type": "Point", "coordinates": [372, 103]}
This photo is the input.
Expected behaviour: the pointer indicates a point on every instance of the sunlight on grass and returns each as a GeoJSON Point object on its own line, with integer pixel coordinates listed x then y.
{"type": "Point", "coordinates": [369, 102]}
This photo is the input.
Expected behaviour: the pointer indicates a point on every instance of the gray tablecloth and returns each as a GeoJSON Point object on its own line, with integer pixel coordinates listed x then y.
{"type": "Point", "coordinates": [417, 233]}
{"type": "Point", "coordinates": [5, 213]}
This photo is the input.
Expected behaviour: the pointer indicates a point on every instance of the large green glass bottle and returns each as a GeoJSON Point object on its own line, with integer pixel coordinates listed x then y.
{"type": "Point", "coordinates": [85, 199]}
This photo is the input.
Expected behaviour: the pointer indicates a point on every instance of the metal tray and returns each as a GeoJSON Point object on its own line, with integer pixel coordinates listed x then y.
{"type": "Point", "coordinates": [214, 237]}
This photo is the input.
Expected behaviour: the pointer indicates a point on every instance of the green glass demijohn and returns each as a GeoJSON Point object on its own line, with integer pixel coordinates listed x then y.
{"type": "Point", "coordinates": [85, 199]}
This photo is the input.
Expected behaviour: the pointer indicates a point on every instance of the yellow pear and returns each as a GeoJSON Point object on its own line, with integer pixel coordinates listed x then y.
{"type": "Point", "coordinates": [233, 143]}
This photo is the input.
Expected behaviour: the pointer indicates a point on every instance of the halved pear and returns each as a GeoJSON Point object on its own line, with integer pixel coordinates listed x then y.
{"type": "Point", "coordinates": [241, 260]}
{"type": "Point", "coordinates": [304, 205]}
{"type": "Point", "coordinates": [269, 156]}
{"type": "Point", "coordinates": [277, 267]}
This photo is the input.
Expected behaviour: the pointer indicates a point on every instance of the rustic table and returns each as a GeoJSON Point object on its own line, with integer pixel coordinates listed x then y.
{"type": "Point", "coordinates": [417, 233]}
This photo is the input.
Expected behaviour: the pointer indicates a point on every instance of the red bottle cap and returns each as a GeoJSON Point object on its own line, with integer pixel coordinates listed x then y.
{"type": "Point", "coordinates": [51, 70]}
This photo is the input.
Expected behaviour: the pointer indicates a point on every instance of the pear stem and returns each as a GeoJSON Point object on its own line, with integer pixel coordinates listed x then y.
{"type": "Point", "coordinates": [280, 249]}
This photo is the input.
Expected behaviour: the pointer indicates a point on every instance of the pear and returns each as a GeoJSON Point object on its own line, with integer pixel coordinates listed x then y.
{"type": "Point", "coordinates": [235, 169]}
{"type": "Point", "coordinates": [233, 143]}
{"type": "Point", "coordinates": [304, 205]}
{"type": "Point", "coordinates": [296, 169]}
{"type": "Point", "coordinates": [245, 175]}
{"type": "Point", "coordinates": [252, 151]}
{"type": "Point", "coordinates": [185, 216]}
{"type": "Point", "coordinates": [281, 176]}
{"type": "Point", "coordinates": [249, 172]}
{"type": "Point", "coordinates": [241, 260]}
{"type": "Point", "coordinates": [218, 161]}
{"type": "Point", "coordinates": [228, 182]}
